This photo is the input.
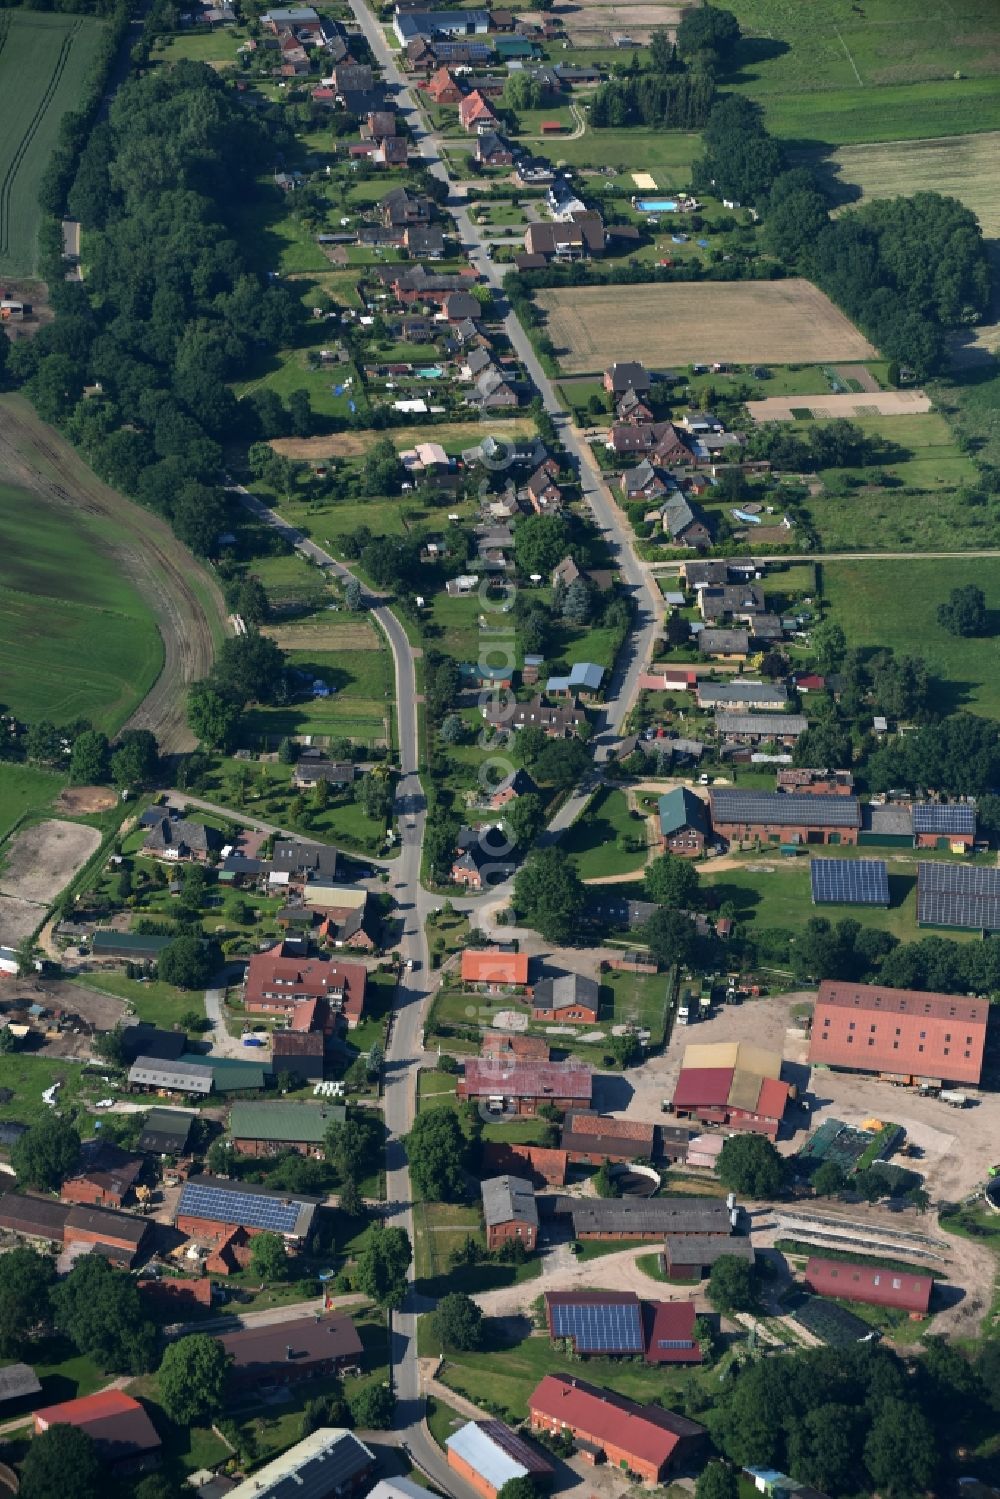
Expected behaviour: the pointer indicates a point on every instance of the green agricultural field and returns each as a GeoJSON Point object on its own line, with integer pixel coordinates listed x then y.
{"type": "Point", "coordinates": [607, 839]}
{"type": "Point", "coordinates": [918, 508]}
{"type": "Point", "coordinates": [839, 73]}
{"type": "Point", "coordinates": [25, 789]}
{"type": "Point", "coordinates": [76, 638]}
{"type": "Point", "coordinates": [895, 604]}
{"type": "Point", "coordinates": [44, 61]}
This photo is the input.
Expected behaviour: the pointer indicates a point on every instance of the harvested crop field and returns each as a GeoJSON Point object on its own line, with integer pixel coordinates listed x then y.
{"type": "Point", "coordinates": [767, 322]}
{"type": "Point", "coordinates": [326, 635]}
{"type": "Point", "coordinates": [592, 23]}
{"type": "Point", "coordinates": [849, 404]}
{"type": "Point", "coordinates": [354, 444]}
{"type": "Point", "coordinates": [37, 864]}
{"type": "Point", "coordinates": [963, 166]}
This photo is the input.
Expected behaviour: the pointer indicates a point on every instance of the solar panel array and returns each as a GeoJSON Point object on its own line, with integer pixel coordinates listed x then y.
{"type": "Point", "coordinates": [778, 807]}
{"type": "Point", "coordinates": [244, 1208]}
{"type": "Point", "coordinates": [851, 882]}
{"type": "Point", "coordinates": [601, 1328]}
{"type": "Point", "coordinates": [958, 895]}
{"type": "Point", "coordinates": [937, 817]}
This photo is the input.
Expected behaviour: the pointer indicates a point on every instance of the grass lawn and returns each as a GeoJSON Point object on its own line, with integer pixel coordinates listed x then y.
{"type": "Point", "coordinates": [217, 48]}
{"type": "Point", "coordinates": [63, 1373]}
{"type": "Point", "coordinates": [882, 71]}
{"type": "Point", "coordinates": [895, 604]}
{"type": "Point", "coordinates": [442, 1419]}
{"type": "Point", "coordinates": [504, 1375]}
{"type": "Point", "coordinates": [76, 637]}
{"type": "Point", "coordinates": [638, 999]}
{"type": "Point", "coordinates": [162, 1004]}
{"type": "Point", "coordinates": [326, 385]}
{"type": "Point", "coordinates": [773, 892]}
{"type": "Point", "coordinates": [606, 839]}
{"type": "Point", "coordinates": [667, 154]}
{"type": "Point", "coordinates": [26, 789]}
{"type": "Point", "coordinates": [26, 1078]}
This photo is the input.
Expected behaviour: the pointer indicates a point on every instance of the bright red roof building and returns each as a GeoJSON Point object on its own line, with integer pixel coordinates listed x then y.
{"type": "Point", "coordinates": [903, 1032]}
{"type": "Point", "coordinates": [642, 1438]}
{"type": "Point", "coordinates": [488, 1077]}
{"type": "Point", "coordinates": [872, 1284]}
{"type": "Point", "coordinates": [703, 1087]}
{"type": "Point", "coordinates": [117, 1424]}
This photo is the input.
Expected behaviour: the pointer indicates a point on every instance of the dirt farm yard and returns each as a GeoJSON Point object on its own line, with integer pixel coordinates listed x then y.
{"type": "Point", "coordinates": [37, 864]}
{"type": "Point", "coordinates": [766, 322]}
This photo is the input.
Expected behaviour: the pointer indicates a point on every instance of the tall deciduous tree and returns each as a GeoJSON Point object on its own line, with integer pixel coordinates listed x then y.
{"type": "Point", "coordinates": [436, 1147]}
{"type": "Point", "coordinates": [46, 1153]}
{"type": "Point", "coordinates": [192, 1378]}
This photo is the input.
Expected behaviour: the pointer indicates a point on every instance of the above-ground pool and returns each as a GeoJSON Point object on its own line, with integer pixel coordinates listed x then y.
{"type": "Point", "coordinates": [656, 205]}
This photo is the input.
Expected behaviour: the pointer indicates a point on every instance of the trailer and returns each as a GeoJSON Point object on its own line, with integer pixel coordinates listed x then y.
{"type": "Point", "coordinates": [954, 1099]}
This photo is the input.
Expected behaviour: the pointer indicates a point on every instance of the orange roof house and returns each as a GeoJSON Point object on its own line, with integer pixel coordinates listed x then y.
{"type": "Point", "coordinates": [475, 112]}
{"type": "Point", "coordinates": [494, 970]}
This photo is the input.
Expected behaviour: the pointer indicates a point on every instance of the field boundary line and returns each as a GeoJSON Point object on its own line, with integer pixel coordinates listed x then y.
{"type": "Point", "coordinates": [850, 59]}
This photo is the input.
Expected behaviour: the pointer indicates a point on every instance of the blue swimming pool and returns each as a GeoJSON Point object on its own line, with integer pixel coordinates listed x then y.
{"type": "Point", "coordinates": [656, 205]}
{"type": "Point", "coordinates": [433, 372]}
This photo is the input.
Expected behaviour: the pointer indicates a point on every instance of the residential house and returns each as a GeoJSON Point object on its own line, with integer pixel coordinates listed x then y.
{"type": "Point", "coordinates": [456, 306]}
{"type": "Point", "coordinates": [643, 483]}
{"type": "Point", "coordinates": [510, 1212]}
{"type": "Point", "coordinates": [492, 390]}
{"type": "Point", "coordinates": [737, 600]}
{"type": "Point", "coordinates": [351, 78]}
{"type": "Point", "coordinates": [308, 773]}
{"type": "Point", "coordinates": [543, 492]}
{"type": "Point", "coordinates": [684, 823]}
{"type": "Point", "coordinates": [542, 1166]}
{"type": "Point", "coordinates": [684, 527]}
{"type": "Point", "coordinates": [725, 645]}
{"type": "Point", "coordinates": [645, 1440]}
{"type": "Point", "coordinates": [287, 1353]}
{"type": "Point", "coordinates": [743, 695]}
{"type": "Point", "coordinates": [475, 113]}
{"type": "Point", "coordinates": [176, 838]}
{"type": "Point", "coordinates": [569, 999]}
{"type": "Point", "coordinates": [582, 233]}
{"type": "Point", "coordinates": [752, 728]}
{"type": "Point", "coordinates": [558, 721]}
{"type": "Point", "coordinates": [514, 1045]}
{"type": "Point", "coordinates": [493, 971]}
{"type": "Point", "coordinates": [442, 88]}
{"type": "Point", "coordinates": [178, 1298]}
{"type": "Point", "coordinates": [400, 208]}
{"type": "Point", "coordinates": [276, 984]}
{"type": "Point", "coordinates": [516, 783]}
{"type": "Point", "coordinates": [628, 375]}
{"type": "Point", "coordinates": [492, 150]}
{"type": "Point", "coordinates": [125, 1439]}
{"type": "Point", "coordinates": [815, 782]}
{"type": "Point", "coordinates": [482, 858]}
{"type": "Point", "coordinates": [299, 864]}
{"type": "Point", "coordinates": [631, 408]}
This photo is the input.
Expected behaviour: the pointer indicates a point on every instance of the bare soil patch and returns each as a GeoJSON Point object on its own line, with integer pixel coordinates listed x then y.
{"type": "Point", "coordinates": [770, 322]}
{"type": "Point", "coordinates": [42, 859]}
{"type": "Point", "coordinates": [859, 372]}
{"type": "Point", "coordinates": [326, 635]}
{"type": "Point", "coordinates": [850, 403]}
{"type": "Point", "coordinates": [78, 801]}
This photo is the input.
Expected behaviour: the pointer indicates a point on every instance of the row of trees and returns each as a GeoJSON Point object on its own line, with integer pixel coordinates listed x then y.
{"type": "Point", "coordinates": [171, 310]}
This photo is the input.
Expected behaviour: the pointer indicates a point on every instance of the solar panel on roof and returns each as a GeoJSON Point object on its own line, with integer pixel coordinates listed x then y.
{"type": "Point", "coordinates": [958, 895]}
{"type": "Point", "coordinates": [790, 809]}
{"type": "Point", "coordinates": [599, 1328]}
{"type": "Point", "coordinates": [938, 817]}
{"type": "Point", "coordinates": [855, 882]}
{"type": "Point", "coordinates": [239, 1207]}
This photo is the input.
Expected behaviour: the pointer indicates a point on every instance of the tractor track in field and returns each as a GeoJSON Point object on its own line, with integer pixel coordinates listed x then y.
{"type": "Point", "coordinates": [34, 456]}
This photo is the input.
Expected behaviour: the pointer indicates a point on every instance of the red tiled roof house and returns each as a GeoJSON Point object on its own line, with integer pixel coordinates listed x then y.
{"type": "Point", "coordinates": [277, 985]}
{"type": "Point", "coordinates": [640, 1439]}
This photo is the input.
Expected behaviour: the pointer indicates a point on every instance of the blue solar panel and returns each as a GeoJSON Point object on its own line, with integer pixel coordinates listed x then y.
{"type": "Point", "coordinates": [856, 882]}
{"type": "Point", "coordinates": [239, 1207]}
{"type": "Point", "coordinates": [599, 1328]}
{"type": "Point", "coordinates": [944, 817]}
